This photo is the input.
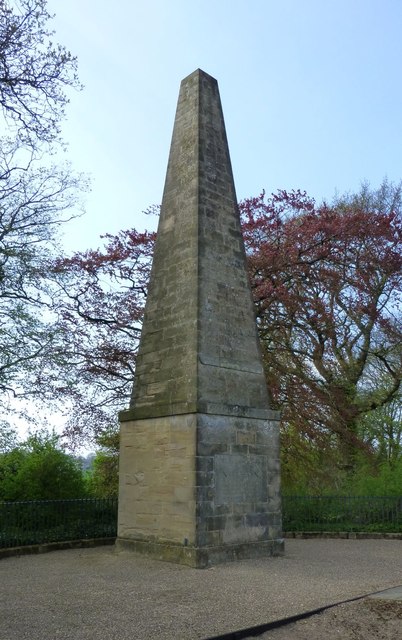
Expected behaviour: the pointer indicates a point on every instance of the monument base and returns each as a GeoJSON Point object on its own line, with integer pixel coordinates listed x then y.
{"type": "Point", "coordinates": [200, 489]}
{"type": "Point", "coordinates": [201, 557]}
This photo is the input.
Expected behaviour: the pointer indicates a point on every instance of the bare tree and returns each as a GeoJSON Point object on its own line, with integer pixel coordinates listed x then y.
{"type": "Point", "coordinates": [34, 72]}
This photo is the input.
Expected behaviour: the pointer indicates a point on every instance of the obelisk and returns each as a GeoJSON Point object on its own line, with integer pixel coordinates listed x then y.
{"type": "Point", "coordinates": [199, 459]}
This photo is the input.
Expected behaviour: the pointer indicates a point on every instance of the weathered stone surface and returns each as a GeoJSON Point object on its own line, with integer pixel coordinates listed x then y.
{"type": "Point", "coordinates": [199, 473]}
{"type": "Point", "coordinates": [157, 493]}
{"type": "Point", "coordinates": [238, 494]}
{"type": "Point", "coordinates": [201, 557]}
{"type": "Point", "coordinates": [238, 476]}
{"type": "Point", "coordinates": [199, 348]}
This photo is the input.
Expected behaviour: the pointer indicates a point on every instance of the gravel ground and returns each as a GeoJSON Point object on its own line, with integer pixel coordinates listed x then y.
{"type": "Point", "coordinates": [88, 594]}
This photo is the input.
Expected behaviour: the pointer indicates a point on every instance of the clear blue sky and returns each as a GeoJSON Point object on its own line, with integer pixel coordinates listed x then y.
{"type": "Point", "coordinates": [311, 93]}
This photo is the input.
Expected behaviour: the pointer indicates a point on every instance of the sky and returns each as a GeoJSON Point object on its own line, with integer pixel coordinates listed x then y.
{"type": "Point", "coordinates": [311, 93]}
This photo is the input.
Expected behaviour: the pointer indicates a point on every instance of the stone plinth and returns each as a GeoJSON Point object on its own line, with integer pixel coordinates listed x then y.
{"type": "Point", "coordinates": [200, 488]}
{"type": "Point", "coordinates": [199, 474]}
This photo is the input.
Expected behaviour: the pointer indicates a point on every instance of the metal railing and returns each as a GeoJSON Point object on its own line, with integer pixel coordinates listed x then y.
{"type": "Point", "coordinates": [42, 521]}
{"type": "Point", "coordinates": [342, 513]}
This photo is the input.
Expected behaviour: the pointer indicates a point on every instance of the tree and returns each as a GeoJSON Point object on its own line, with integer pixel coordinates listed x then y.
{"type": "Point", "coordinates": [101, 314]}
{"type": "Point", "coordinates": [8, 437]}
{"type": "Point", "coordinates": [33, 72]}
{"type": "Point", "coordinates": [327, 285]}
{"type": "Point", "coordinates": [36, 197]}
{"type": "Point", "coordinates": [103, 479]}
{"type": "Point", "coordinates": [38, 469]}
{"type": "Point", "coordinates": [326, 280]}
{"type": "Point", "coordinates": [310, 466]}
{"type": "Point", "coordinates": [382, 428]}
{"type": "Point", "coordinates": [33, 204]}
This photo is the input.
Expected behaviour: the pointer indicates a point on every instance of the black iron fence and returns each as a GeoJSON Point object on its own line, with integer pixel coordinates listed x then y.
{"type": "Point", "coordinates": [342, 513]}
{"type": "Point", "coordinates": [42, 521]}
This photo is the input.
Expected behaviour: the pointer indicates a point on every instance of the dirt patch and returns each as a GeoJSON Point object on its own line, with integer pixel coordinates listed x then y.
{"type": "Point", "coordinates": [365, 620]}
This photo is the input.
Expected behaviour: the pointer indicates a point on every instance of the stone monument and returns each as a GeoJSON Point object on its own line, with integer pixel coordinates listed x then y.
{"type": "Point", "coordinates": [199, 461]}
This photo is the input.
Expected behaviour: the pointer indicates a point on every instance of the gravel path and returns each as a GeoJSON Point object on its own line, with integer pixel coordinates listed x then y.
{"type": "Point", "coordinates": [97, 594]}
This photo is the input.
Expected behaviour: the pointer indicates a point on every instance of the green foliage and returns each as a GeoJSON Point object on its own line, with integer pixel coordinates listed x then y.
{"type": "Point", "coordinates": [38, 469]}
{"type": "Point", "coordinates": [375, 480]}
{"type": "Point", "coordinates": [320, 473]}
{"type": "Point", "coordinates": [309, 466]}
{"type": "Point", "coordinates": [382, 430]}
{"type": "Point", "coordinates": [8, 437]}
{"type": "Point", "coordinates": [312, 467]}
{"type": "Point", "coordinates": [103, 480]}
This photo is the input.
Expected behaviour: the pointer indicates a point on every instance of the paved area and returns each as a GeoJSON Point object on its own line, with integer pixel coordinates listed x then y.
{"type": "Point", "coordinates": [389, 594]}
{"type": "Point", "coordinates": [97, 594]}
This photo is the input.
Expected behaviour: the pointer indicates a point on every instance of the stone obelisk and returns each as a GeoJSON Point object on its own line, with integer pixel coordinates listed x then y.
{"type": "Point", "coordinates": [199, 459]}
